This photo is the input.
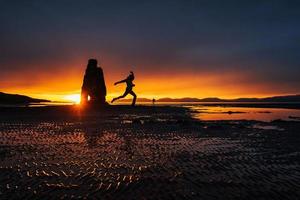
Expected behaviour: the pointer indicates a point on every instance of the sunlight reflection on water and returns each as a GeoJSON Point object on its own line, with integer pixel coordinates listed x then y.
{"type": "Point", "coordinates": [240, 113]}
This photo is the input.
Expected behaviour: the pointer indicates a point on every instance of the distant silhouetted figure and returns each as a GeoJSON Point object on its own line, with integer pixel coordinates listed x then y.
{"type": "Point", "coordinates": [153, 101]}
{"type": "Point", "coordinates": [129, 87]}
{"type": "Point", "coordinates": [93, 88]}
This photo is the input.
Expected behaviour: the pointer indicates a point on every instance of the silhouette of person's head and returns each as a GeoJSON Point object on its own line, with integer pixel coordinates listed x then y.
{"type": "Point", "coordinates": [131, 76]}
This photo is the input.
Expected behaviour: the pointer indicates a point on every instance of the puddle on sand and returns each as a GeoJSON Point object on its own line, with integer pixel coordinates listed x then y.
{"type": "Point", "coordinates": [239, 113]}
{"type": "Point", "coordinates": [267, 127]}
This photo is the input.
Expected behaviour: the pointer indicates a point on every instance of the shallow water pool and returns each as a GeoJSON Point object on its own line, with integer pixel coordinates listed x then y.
{"type": "Point", "coordinates": [241, 113]}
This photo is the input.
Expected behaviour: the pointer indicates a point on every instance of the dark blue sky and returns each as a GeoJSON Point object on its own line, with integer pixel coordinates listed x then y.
{"type": "Point", "coordinates": [258, 40]}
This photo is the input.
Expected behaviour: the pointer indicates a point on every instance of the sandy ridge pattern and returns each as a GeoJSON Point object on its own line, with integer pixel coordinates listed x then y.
{"type": "Point", "coordinates": [147, 153]}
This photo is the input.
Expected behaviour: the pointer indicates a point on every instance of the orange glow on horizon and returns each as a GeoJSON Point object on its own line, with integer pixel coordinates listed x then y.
{"type": "Point", "coordinates": [65, 84]}
{"type": "Point", "coordinates": [75, 98]}
{"type": "Point", "coordinates": [161, 89]}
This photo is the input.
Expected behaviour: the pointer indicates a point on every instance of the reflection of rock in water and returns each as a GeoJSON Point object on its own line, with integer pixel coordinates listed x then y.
{"type": "Point", "coordinates": [162, 158]}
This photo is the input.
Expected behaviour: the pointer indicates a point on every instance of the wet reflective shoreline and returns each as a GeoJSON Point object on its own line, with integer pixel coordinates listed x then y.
{"type": "Point", "coordinates": [244, 113]}
{"type": "Point", "coordinates": [147, 154]}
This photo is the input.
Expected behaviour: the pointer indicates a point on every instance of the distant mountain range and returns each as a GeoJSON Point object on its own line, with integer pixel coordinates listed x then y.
{"type": "Point", "coordinates": [18, 99]}
{"type": "Point", "coordinates": [22, 99]}
{"type": "Point", "coordinates": [277, 99]}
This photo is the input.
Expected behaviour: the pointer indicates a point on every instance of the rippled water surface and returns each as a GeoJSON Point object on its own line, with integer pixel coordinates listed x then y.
{"type": "Point", "coordinates": [147, 156]}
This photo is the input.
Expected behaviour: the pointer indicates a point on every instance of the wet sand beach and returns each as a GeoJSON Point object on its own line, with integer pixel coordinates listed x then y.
{"type": "Point", "coordinates": [144, 152]}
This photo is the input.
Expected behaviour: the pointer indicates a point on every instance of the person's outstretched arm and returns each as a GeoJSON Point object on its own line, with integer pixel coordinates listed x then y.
{"type": "Point", "coordinates": [122, 81]}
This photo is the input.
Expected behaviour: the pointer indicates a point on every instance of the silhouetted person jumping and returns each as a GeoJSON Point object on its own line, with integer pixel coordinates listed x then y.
{"type": "Point", "coordinates": [93, 88]}
{"type": "Point", "coordinates": [128, 90]}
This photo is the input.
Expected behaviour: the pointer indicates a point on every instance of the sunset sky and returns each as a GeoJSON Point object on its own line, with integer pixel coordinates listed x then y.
{"type": "Point", "coordinates": [188, 48]}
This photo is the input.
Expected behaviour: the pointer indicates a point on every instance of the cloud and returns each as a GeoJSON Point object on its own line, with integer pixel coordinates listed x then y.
{"type": "Point", "coordinates": [178, 38]}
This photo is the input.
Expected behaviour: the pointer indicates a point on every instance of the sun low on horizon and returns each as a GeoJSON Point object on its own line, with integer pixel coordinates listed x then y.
{"type": "Point", "coordinates": [75, 98]}
{"type": "Point", "coordinates": [159, 87]}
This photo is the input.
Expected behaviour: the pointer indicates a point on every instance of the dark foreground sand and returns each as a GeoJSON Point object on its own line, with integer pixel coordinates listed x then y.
{"type": "Point", "coordinates": [144, 153]}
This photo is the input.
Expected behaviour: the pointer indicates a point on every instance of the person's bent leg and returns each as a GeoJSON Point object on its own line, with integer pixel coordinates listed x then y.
{"type": "Point", "coordinates": [134, 98]}
{"type": "Point", "coordinates": [120, 97]}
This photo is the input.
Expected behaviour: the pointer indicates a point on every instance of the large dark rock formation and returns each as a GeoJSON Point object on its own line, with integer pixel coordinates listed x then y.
{"type": "Point", "coordinates": [93, 89]}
